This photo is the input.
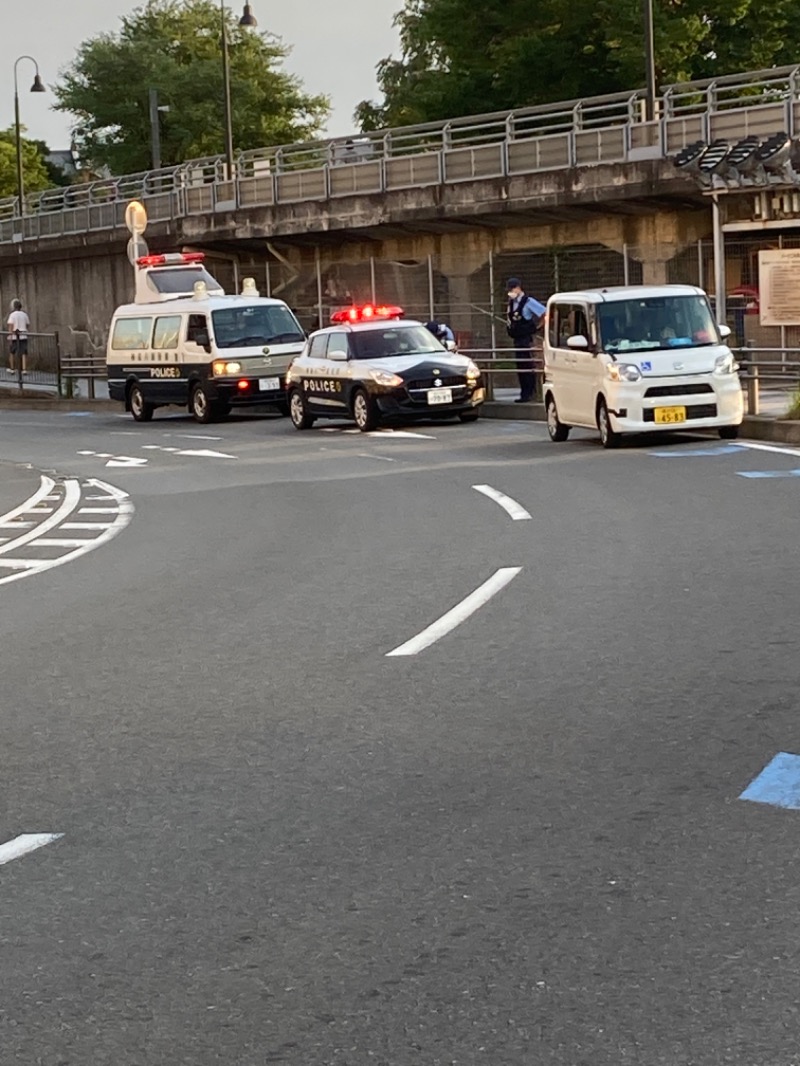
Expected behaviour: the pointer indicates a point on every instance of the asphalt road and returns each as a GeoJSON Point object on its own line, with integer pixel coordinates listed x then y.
{"type": "Point", "coordinates": [522, 845]}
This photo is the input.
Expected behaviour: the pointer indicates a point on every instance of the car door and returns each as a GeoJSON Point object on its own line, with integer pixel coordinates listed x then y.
{"type": "Point", "coordinates": [562, 362]}
{"type": "Point", "coordinates": [583, 366]}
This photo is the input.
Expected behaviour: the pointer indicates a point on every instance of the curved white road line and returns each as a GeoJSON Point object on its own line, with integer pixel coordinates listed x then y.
{"type": "Point", "coordinates": [511, 507]}
{"type": "Point", "coordinates": [72, 497]}
{"type": "Point", "coordinates": [44, 490]}
{"type": "Point", "coordinates": [780, 449]}
{"type": "Point", "coordinates": [458, 614]}
{"type": "Point", "coordinates": [24, 844]}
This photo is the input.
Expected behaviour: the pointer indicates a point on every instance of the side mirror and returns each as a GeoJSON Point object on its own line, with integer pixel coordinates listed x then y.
{"type": "Point", "coordinates": [338, 355]}
{"type": "Point", "coordinates": [450, 346]}
{"type": "Point", "coordinates": [578, 342]}
{"type": "Point", "coordinates": [724, 331]}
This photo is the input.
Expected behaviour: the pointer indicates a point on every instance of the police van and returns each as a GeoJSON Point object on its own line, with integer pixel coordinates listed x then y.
{"type": "Point", "coordinates": [371, 366]}
{"type": "Point", "coordinates": [184, 342]}
{"type": "Point", "coordinates": [638, 359]}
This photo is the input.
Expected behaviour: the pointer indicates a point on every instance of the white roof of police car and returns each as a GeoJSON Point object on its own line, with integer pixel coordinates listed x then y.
{"type": "Point", "coordinates": [613, 293]}
{"type": "Point", "coordinates": [365, 327]}
{"type": "Point", "coordinates": [190, 304]}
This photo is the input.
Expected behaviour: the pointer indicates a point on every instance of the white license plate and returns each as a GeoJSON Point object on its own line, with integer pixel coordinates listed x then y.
{"type": "Point", "coordinates": [440, 396]}
{"type": "Point", "coordinates": [268, 384]}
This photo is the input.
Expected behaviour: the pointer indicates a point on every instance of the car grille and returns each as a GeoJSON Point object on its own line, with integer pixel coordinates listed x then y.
{"type": "Point", "coordinates": [444, 382]}
{"type": "Point", "coordinates": [677, 390]}
{"type": "Point", "coordinates": [697, 410]}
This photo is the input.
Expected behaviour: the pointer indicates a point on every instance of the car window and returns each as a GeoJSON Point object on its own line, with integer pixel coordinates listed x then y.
{"type": "Point", "coordinates": [167, 331]}
{"type": "Point", "coordinates": [197, 324]}
{"type": "Point", "coordinates": [131, 333]}
{"type": "Point", "coordinates": [567, 320]}
{"type": "Point", "coordinates": [245, 326]}
{"type": "Point", "coordinates": [392, 341]}
{"type": "Point", "coordinates": [318, 346]}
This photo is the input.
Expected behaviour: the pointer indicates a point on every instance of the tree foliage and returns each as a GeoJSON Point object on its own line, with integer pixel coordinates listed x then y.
{"type": "Point", "coordinates": [174, 46]}
{"type": "Point", "coordinates": [461, 57]}
{"type": "Point", "coordinates": [36, 174]}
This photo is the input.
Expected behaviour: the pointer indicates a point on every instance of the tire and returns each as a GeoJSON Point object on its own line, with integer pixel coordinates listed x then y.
{"type": "Point", "coordinates": [555, 427]}
{"type": "Point", "coordinates": [728, 432]}
{"type": "Point", "coordinates": [469, 416]}
{"type": "Point", "coordinates": [202, 409]}
{"type": "Point", "coordinates": [365, 414]}
{"type": "Point", "coordinates": [298, 412]}
{"type": "Point", "coordinates": [608, 438]}
{"type": "Point", "coordinates": [141, 410]}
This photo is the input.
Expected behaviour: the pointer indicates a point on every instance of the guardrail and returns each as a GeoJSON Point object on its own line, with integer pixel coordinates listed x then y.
{"type": "Point", "coordinates": [600, 129]}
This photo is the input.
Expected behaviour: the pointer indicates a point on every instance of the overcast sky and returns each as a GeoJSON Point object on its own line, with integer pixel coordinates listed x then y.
{"type": "Point", "coordinates": [335, 49]}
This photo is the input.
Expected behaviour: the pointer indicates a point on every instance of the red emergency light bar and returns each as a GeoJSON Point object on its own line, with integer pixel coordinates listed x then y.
{"type": "Point", "coordinates": [170, 259]}
{"type": "Point", "coordinates": [367, 313]}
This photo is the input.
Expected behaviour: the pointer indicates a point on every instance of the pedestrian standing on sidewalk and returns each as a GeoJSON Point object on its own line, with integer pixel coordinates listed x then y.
{"type": "Point", "coordinates": [524, 315]}
{"type": "Point", "coordinates": [18, 325]}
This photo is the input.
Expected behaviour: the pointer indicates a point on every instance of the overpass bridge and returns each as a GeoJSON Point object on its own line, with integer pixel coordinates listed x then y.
{"type": "Point", "coordinates": [578, 192]}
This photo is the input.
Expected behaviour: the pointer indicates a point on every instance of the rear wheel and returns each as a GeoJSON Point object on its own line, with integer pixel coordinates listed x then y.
{"type": "Point", "coordinates": [729, 432]}
{"type": "Point", "coordinates": [555, 427]}
{"type": "Point", "coordinates": [365, 413]}
{"type": "Point", "coordinates": [141, 410]}
{"type": "Point", "coordinates": [298, 412]}
{"type": "Point", "coordinates": [608, 437]}
{"type": "Point", "coordinates": [201, 406]}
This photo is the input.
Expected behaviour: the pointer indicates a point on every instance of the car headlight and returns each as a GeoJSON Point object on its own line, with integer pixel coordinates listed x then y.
{"type": "Point", "coordinates": [725, 364]}
{"type": "Point", "coordinates": [473, 371]}
{"type": "Point", "coordinates": [383, 377]}
{"type": "Point", "coordinates": [221, 368]}
{"type": "Point", "coordinates": [623, 372]}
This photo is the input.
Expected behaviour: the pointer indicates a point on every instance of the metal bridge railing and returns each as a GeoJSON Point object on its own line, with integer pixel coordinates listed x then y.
{"type": "Point", "coordinates": [601, 129]}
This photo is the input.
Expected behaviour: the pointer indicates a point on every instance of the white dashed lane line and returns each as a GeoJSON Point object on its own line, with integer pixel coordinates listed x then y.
{"type": "Point", "coordinates": [515, 510]}
{"type": "Point", "coordinates": [26, 548]}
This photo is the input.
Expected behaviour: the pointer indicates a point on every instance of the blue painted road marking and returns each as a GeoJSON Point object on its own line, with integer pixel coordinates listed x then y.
{"type": "Point", "coordinates": [679, 453]}
{"type": "Point", "coordinates": [778, 783]}
{"type": "Point", "coordinates": [768, 473]}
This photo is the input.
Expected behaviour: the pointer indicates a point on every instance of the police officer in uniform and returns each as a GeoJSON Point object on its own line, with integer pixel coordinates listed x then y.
{"type": "Point", "coordinates": [441, 332]}
{"type": "Point", "coordinates": [524, 316]}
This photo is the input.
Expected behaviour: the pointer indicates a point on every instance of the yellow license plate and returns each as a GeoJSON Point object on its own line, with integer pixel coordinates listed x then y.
{"type": "Point", "coordinates": [667, 416]}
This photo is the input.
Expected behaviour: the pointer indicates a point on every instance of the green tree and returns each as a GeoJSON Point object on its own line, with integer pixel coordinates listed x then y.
{"type": "Point", "coordinates": [35, 171]}
{"type": "Point", "coordinates": [174, 46]}
{"type": "Point", "coordinates": [459, 57]}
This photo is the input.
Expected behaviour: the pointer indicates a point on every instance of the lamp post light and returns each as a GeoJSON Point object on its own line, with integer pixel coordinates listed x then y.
{"type": "Point", "coordinates": [37, 87]}
{"type": "Point", "coordinates": [248, 21]}
{"type": "Point", "coordinates": [649, 61]}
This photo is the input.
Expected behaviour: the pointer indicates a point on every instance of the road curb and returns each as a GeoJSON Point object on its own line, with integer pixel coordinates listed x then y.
{"type": "Point", "coordinates": [773, 429]}
{"type": "Point", "coordinates": [517, 412]}
{"type": "Point", "coordinates": [31, 402]}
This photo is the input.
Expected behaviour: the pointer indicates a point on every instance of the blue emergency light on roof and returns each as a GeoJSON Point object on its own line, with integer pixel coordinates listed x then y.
{"type": "Point", "coordinates": [170, 259]}
{"type": "Point", "coordinates": [366, 313]}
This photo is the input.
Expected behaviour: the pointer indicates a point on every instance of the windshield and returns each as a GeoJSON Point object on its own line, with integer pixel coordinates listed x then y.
{"type": "Point", "coordinates": [656, 322]}
{"type": "Point", "coordinates": [175, 281]}
{"type": "Point", "coordinates": [394, 341]}
{"type": "Point", "coordinates": [247, 326]}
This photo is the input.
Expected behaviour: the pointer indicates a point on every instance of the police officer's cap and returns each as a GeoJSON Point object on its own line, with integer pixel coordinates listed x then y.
{"type": "Point", "coordinates": [514, 283]}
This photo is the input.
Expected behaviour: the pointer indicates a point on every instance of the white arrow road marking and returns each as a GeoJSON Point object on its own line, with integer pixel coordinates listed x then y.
{"type": "Point", "coordinates": [205, 453]}
{"type": "Point", "coordinates": [511, 507]}
{"type": "Point", "coordinates": [126, 460]}
{"type": "Point", "coordinates": [25, 844]}
{"type": "Point", "coordinates": [458, 614]}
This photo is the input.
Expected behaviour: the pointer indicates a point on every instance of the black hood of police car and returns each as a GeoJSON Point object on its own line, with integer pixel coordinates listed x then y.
{"type": "Point", "coordinates": [429, 371]}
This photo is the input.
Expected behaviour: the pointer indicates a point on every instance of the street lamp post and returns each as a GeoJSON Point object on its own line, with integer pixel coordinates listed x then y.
{"type": "Point", "coordinates": [249, 21]}
{"type": "Point", "coordinates": [37, 87]}
{"type": "Point", "coordinates": [649, 60]}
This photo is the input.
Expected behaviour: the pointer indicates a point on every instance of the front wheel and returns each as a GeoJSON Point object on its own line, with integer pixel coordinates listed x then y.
{"type": "Point", "coordinates": [728, 432]}
{"type": "Point", "coordinates": [298, 411]}
{"type": "Point", "coordinates": [365, 414]}
{"type": "Point", "coordinates": [141, 410]}
{"type": "Point", "coordinates": [201, 406]}
{"type": "Point", "coordinates": [555, 427]}
{"type": "Point", "coordinates": [469, 416]}
{"type": "Point", "coordinates": [608, 437]}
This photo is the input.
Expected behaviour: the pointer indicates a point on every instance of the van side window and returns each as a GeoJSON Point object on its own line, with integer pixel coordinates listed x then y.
{"type": "Point", "coordinates": [552, 325]}
{"type": "Point", "coordinates": [569, 320]}
{"type": "Point", "coordinates": [318, 346]}
{"type": "Point", "coordinates": [167, 331]}
{"type": "Point", "coordinates": [131, 334]}
{"type": "Point", "coordinates": [198, 324]}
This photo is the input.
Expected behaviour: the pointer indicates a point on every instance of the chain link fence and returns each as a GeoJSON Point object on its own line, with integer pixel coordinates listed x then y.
{"type": "Point", "coordinates": [32, 360]}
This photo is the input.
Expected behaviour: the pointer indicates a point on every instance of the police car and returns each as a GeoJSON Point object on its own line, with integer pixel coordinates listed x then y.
{"type": "Point", "coordinates": [371, 365]}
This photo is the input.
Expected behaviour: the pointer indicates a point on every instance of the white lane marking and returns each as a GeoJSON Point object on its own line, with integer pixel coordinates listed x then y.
{"type": "Point", "coordinates": [383, 458]}
{"type": "Point", "coordinates": [109, 490]}
{"type": "Point", "coordinates": [24, 844]}
{"type": "Point", "coordinates": [119, 523]}
{"type": "Point", "coordinates": [767, 447]}
{"type": "Point", "coordinates": [17, 564]}
{"type": "Point", "coordinates": [458, 614]}
{"type": "Point", "coordinates": [125, 460]}
{"type": "Point", "coordinates": [64, 542]}
{"type": "Point", "coordinates": [194, 436]}
{"type": "Point", "coordinates": [206, 453]}
{"type": "Point", "coordinates": [97, 510]}
{"type": "Point", "coordinates": [42, 493]}
{"type": "Point", "coordinates": [86, 525]}
{"type": "Point", "coordinates": [16, 524]}
{"type": "Point", "coordinates": [396, 433]}
{"type": "Point", "coordinates": [72, 495]}
{"type": "Point", "coordinates": [511, 507]}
